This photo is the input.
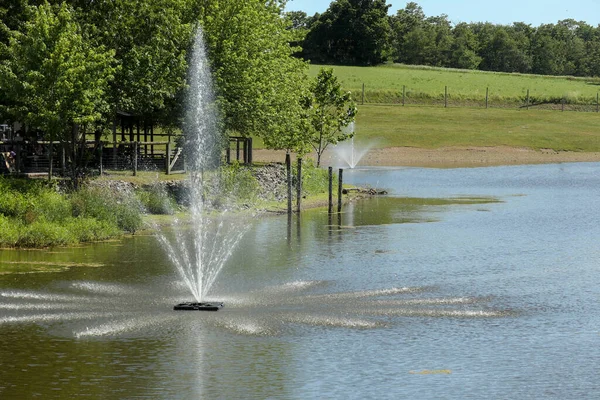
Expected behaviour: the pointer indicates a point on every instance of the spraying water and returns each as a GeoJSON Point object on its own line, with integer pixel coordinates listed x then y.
{"type": "Point", "coordinates": [347, 154]}
{"type": "Point", "coordinates": [200, 246]}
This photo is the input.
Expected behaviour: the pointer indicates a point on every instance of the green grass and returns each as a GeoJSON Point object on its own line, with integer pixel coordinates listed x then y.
{"type": "Point", "coordinates": [433, 127]}
{"type": "Point", "coordinates": [383, 84]}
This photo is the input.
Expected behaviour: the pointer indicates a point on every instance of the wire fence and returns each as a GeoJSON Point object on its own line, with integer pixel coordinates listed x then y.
{"type": "Point", "coordinates": [410, 96]}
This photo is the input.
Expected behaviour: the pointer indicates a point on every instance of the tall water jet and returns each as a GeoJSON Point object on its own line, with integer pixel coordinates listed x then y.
{"type": "Point", "coordinates": [200, 246]}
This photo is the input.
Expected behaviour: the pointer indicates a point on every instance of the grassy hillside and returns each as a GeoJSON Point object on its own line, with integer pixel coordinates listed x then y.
{"type": "Point", "coordinates": [433, 127]}
{"type": "Point", "coordinates": [425, 85]}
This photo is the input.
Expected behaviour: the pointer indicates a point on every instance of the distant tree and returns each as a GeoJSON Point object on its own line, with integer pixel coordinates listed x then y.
{"type": "Point", "coordinates": [328, 112]}
{"type": "Point", "coordinates": [463, 51]}
{"type": "Point", "coordinates": [53, 78]}
{"type": "Point", "coordinates": [352, 32]}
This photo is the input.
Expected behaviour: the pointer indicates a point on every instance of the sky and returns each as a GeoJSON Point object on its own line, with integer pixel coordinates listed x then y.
{"type": "Point", "coordinates": [504, 12]}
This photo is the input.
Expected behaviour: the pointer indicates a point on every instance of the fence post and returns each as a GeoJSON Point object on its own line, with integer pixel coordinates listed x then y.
{"type": "Point", "coordinates": [100, 148]}
{"type": "Point", "coordinates": [168, 158]}
{"type": "Point", "coordinates": [330, 210]}
{"type": "Point", "coordinates": [299, 185]}
{"type": "Point", "coordinates": [340, 172]}
{"type": "Point", "coordinates": [403, 95]}
{"type": "Point", "coordinates": [446, 97]}
{"type": "Point", "coordinates": [487, 96]}
{"type": "Point", "coordinates": [288, 167]}
{"type": "Point", "coordinates": [135, 158]}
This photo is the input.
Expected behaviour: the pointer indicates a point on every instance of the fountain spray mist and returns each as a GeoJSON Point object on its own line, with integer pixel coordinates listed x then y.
{"type": "Point", "coordinates": [200, 246]}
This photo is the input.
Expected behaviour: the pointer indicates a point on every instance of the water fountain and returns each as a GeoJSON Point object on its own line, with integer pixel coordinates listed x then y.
{"type": "Point", "coordinates": [201, 245]}
{"type": "Point", "coordinates": [347, 154]}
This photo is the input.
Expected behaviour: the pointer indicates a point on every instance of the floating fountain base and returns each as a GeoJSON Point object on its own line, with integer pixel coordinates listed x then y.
{"type": "Point", "coordinates": [198, 306]}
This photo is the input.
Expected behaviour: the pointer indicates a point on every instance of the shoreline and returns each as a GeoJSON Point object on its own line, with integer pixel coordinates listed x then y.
{"type": "Point", "coordinates": [448, 157]}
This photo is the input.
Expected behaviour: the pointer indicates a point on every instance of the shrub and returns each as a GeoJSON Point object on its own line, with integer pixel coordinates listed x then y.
{"type": "Point", "coordinates": [156, 200]}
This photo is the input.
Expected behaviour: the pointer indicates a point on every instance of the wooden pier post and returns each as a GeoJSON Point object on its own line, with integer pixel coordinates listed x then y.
{"type": "Point", "coordinates": [168, 158]}
{"type": "Point", "coordinates": [299, 185]}
{"type": "Point", "coordinates": [340, 181]}
{"type": "Point", "coordinates": [330, 210]}
{"type": "Point", "coordinates": [288, 167]}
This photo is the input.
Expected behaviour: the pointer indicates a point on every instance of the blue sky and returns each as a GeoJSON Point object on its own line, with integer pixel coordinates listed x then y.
{"type": "Point", "coordinates": [534, 12]}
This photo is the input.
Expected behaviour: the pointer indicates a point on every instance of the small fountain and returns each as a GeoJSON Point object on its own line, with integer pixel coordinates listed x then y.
{"type": "Point", "coordinates": [201, 245]}
{"type": "Point", "coordinates": [346, 153]}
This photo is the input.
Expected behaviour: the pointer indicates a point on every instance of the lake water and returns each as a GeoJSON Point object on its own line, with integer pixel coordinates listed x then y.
{"type": "Point", "coordinates": [491, 292]}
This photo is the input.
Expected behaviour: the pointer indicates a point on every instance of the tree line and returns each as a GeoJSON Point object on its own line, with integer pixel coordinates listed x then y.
{"type": "Point", "coordinates": [68, 66]}
{"type": "Point", "coordinates": [360, 32]}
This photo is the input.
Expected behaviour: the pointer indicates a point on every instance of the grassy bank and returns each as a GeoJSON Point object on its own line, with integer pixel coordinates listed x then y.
{"type": "Point", "coordinates": [36, 214]}
{"type": "Point", "coordinates": [426, 85]}
{"type": "Point", "coordinates": [430, 127]}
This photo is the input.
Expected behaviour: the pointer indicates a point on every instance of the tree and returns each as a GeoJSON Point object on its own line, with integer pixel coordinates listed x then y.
{"type": "Point", "coordinates": [53, 78]}
{"type": "Point", "coordinates": [353, 32]}
{"type": "Point", "coordinates": [464, 48]}
{"type": "Point", "coordinates": [258, 83]}
{"type": "Point", "coordinates": [328, 111]}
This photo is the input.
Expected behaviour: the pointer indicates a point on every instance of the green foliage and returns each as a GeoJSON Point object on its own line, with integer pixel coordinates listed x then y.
{"type": "Point", "coordinates": [314, 180]}
{"type": "Point", "coordinates": [52, 77]}
{"type": "Point", "coordinates": [351, 32]}
{"type": "Point", "coordinates": [34, 214]}
{"type": "Point", "coordinates": [258, 83]}
{"type": "Point", "coordinates": [328, 111]}
{"type": "Point", "coordinates": [238, 184]}
{"type": "Point", "coordinates": [156, 200]}
{"type": "Point", "coordinates": [120, 209]}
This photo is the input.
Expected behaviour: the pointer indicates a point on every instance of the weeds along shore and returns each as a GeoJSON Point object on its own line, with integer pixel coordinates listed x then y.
{"type": "Point", "coordinates": [37, 213]}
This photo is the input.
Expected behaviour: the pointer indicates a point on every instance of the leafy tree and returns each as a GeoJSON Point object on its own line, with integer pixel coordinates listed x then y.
{"type": "Point", "coordinates": [354, 32]}
{"type": "Point", "coordinates": [328, 111]}
{"type": "Point", "coordinates": [52, 77]}
{"type": "Point", "coordinates": [258, 82]}
{"type": "Point", "coordinates": [463, 51]}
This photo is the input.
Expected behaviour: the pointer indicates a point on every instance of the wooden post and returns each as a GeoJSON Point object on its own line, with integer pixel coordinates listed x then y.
{"type": "Point", "coordinates": [249, 150]}
{"type": "Point", "coordinates": [63, 159]}
{"type": "Point", "coordinates": [288, 167]}
{"type": "Point", "coordinates": [152, 138]}
{"type": "Point", "coordinates": [237, 149]}
{"type": "Point", "coordinates": [100, 147]}
{"type": "Point", "coordinates": [340, 172]}
{"type": "Point", "coordinates": [527, 100]}
{"type": "Point", "coordinates": [487, 96]}
{"type": "Point", "coordinates": [135, 157]}
{"type": "Point", "coordinates": [228, 152]}
{"type": "Point", "coordinates": [403, 95]}
{"type": "Point", "coordinates": [299, 185]}
{"type": "Point", "coordinates": [446, 97]}
{"type": "Point", "coordinates": [363, 93]}
{"type": "Point", "coordinates": [330, 190]}
{"type": "Point", "coordinates": [245, 151]}
{"type": "Point", "coordinates": [114, 152]}
{"type": "Point", "coordinates": [168, 158]}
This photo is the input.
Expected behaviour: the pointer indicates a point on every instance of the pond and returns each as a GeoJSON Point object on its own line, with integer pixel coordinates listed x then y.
{"type": "Point", "coordinates": [461, 283]}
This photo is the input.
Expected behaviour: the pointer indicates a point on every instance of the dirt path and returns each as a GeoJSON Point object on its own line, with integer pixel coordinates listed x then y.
{"type": "Point", "coordinates": [450, 157]}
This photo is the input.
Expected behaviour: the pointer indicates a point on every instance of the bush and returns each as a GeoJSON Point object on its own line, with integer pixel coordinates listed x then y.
{"type": "Point", "coordinates": [314, 180]}
{"type": "Point", "coordinates": [44, 234]}
{"type": "Point", "coordinates": [238, 184]}
{"type": "Point", "coordinates": [10, 228]}
{"type": "Point", "coordinates": [156, 200]}
{"type": "Point", "coordinates": [120, 209]}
